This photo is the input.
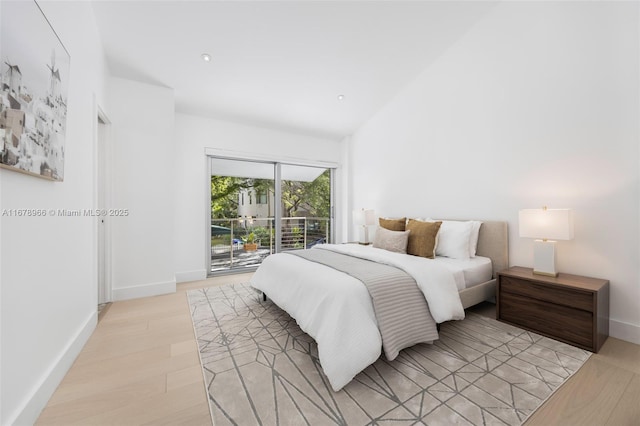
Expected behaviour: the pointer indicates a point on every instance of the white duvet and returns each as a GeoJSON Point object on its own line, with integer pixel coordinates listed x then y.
{"type": "Point", "coordinates": [336, 309]}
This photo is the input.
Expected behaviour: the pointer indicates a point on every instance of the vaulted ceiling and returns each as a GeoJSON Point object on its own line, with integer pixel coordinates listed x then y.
{"type": "Point", "coordinates": [281, 64]}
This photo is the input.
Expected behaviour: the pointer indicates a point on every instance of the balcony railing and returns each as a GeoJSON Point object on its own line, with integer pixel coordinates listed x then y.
{"type": "Point", "coordinates": [230, 250]}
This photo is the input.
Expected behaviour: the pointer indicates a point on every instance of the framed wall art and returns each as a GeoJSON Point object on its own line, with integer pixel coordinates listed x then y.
{"type": "Point", "coordinates": [34, 79]}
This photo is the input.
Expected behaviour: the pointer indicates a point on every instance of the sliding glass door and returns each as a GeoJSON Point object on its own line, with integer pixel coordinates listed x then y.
{"type": "Point", "coordinates": [259, 208]}
{"type": "Point", "coordinates": [306, 206]}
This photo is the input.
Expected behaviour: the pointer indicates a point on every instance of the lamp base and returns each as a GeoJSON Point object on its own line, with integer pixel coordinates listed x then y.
{"type": "Point", "coordinates": [365, 233]}
{"type": "Point", "coordinates": [544, 258]}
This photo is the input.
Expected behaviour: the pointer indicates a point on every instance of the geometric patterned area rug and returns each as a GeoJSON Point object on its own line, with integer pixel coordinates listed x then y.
{"type": "Point", "coordinates": [260, 368]}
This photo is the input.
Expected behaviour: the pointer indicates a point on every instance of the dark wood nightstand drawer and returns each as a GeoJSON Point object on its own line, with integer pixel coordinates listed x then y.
{"type": "Point", "coordinates": [570, 308]}
{"type": "Point", "coordinates": [574, 326]}
{"type": "Point", "coordinates": [557, 295]}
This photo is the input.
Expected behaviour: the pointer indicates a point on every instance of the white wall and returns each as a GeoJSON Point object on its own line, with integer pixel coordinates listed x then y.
{"type": "Point", "coordinates": [193, 135]}
{"type": "Point", "coordinates": [143, 169]}
{"type": "Point", "coordinates": [48, 267]}
{"type": "Point", "coordinates": [538, 104]}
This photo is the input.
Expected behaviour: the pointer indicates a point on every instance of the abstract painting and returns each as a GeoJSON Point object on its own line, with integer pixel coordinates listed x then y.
{"type": "Point", "coordinates": [34, 78]}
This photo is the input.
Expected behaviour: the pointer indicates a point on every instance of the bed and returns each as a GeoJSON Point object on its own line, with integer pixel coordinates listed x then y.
{"type": "Point", "coordinates": [337, 310]}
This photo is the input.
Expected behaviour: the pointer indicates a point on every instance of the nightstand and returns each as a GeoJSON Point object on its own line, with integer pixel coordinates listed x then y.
{"type": "Point", "coordinates": [569, 308]}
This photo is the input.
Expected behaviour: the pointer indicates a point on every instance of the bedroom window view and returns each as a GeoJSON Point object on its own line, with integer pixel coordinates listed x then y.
{"type": "Point", "coordinates": [245, 211]}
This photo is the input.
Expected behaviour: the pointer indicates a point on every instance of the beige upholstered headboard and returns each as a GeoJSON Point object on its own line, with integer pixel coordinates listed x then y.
{"type": "Point", "coordinates": [493, 242]}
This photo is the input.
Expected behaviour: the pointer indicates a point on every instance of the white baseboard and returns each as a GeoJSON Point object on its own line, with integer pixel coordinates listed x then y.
{"type": "Point", "coordinates": [197, 275]}
{"type": "Point", "coordinates": [143, 290]}
{"type": "Point", "coordinates": [32, 408]}
{"type": "Point", "coordinates": [624, 331]}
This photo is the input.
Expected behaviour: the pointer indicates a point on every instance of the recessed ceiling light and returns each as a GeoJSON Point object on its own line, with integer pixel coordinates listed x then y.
{"type": "Point", "coordinates": [206, 57]}
{"type": "Point", "coordinates": [341, 97]}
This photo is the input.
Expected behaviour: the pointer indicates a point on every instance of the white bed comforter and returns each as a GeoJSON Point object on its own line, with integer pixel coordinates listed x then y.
{"type": "Point", "coordinates": [336, 310]}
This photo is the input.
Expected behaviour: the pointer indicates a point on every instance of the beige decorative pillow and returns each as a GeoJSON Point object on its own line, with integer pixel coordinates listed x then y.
{"type": "Point", "coordinates": [395, 241]}
{"type": "Point", "coordinates": [393, 224]}
{"type": "Point", "coordinates": [422, 240]}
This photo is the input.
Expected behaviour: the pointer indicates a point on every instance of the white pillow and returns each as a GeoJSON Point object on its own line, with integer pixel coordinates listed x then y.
{"type": "Point", "coordinates": [473, 238]}
{"type": "Point", "coordinates": [453, 239]}
{"type": "Point", "coordinates": [395, 241]}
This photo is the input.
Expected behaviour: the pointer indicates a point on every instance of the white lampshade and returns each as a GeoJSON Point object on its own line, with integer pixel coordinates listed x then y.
{"type": "Point", "coordinates": [546, 224]}
{"type": "Point", "coordinates": [369, 217]}
{"type": "Point", "coordinates": [364, 218]}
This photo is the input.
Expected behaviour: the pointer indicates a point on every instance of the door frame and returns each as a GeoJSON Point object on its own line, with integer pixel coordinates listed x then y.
{"type": "Point", "coordinates": [103, 161]}
{"type": "Point", "coordinates": [277, 162]}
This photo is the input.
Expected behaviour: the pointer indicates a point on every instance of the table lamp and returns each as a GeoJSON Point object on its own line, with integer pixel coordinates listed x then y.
{"type": "Point", "coordinates": [365, 219]}
{"type": "Point", "coordinates": [545, 226]}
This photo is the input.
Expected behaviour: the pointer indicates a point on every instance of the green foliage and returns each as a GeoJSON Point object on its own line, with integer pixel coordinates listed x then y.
{"type": "Point", "coordinates": [221, 240]}
{"type": "Point", "coordinates": [224, 196]}
{"type": "Point", "coordinates": [225, 190]}
{"type": "Point", "coordinates": [250, 238]}
{"type": "Point", "coordinates": [298, 198]}
{"type": "Point", "coordinates": [262, 234]}
{"type": "Point", "coordinates": [313, 198]}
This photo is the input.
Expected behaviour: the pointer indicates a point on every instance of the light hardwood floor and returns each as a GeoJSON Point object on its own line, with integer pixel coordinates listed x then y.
{"type": "Point", "coordinates": [141, 366]}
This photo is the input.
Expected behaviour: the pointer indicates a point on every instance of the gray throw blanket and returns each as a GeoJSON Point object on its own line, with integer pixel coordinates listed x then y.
{"type": "Point", "coordinates": [401, 310]}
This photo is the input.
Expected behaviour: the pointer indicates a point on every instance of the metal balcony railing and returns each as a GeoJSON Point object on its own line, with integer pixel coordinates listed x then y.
{"type": "Point", "coordinates": [230, 239]}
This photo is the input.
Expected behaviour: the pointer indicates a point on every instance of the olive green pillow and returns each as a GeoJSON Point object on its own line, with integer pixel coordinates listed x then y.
{"type": "Point", "coordinates": [422, 239]}
{"type": "Point", "coordinates": [393, 224]}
